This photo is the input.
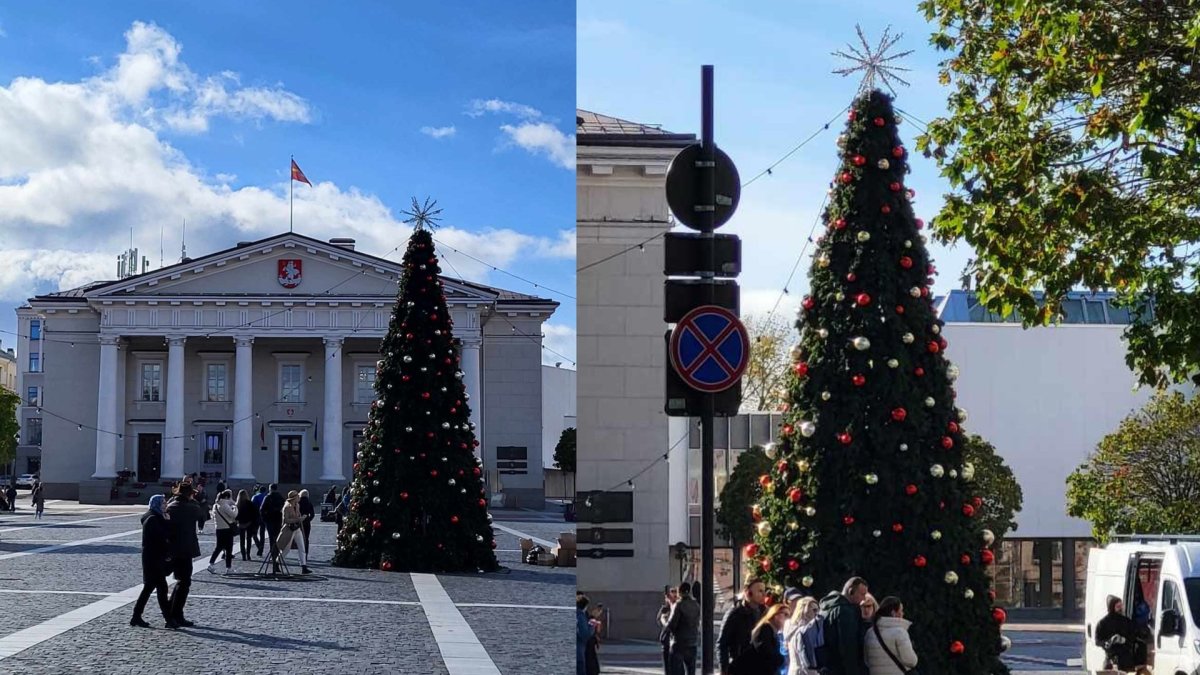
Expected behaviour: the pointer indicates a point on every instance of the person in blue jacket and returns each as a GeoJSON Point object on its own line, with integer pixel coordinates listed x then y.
{"type": "Point", "coordinates": [583, 633]}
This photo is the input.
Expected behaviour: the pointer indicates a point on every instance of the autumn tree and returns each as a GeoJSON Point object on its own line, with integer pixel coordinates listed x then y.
{"type": "Point", "coordinates": [765, 377]}
{"type": "Point", "coordinates": [1145, 476]}
{"type": "Point", "coordinates": [998, 487]}
{"type": "Point", "coordinates": [9, 428]}
{"type": "Point", "coordinates": [1071, 149]}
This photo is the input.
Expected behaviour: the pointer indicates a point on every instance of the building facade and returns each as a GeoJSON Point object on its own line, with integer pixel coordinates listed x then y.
{"type": "Point", "coordinates": [256, 364]}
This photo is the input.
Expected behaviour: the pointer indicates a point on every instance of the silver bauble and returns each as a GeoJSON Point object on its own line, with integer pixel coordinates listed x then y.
{"type": "Point", "coordinates": [451, 481]}
{"type": "Point", "coordinates": [962, 415]}
{"type": "Point", "coordinates": [445, 425]}
{"type": "Point", "coordinates": [376, 500]}
{"type": "Point", "coordinates": [936, 535]}
{"type": "Point", "coordinates": [764, 527]}
{"type": "Point", "coordinates": [952, 372]}
{"type": "Point", "coordinates": [459, 375]}
{"type": "Point", "coordinates": [769, 449]}
{"type": "Point", "coordinates": [968, 594]}
{"type": "Point", "coordinates": [871, 479]}
{"type": "Point", "coordinates": [937, 471]}
{"type": "Point", "coordinates": [968, 471]}
{"type": "Point", "coordinates": [953, 473]}
{"type": "Point", "coordinates": [907, 244]}
{"type": "Point", "coordinates": [395, 535]}
{"type": "Point", "coordinates": [907, 338]}
{"type": "Point", "coordinates": [915, 291]}
{"type": "Point", "coordinates": [407, 358]}
{"type": "Point", "coordinates": [822, 333]}
{"type": "Point", "coordinates": [929, 402]}
{"type": "Point", "coordinates": [883, 164]}
{"type": "Point", "coordinates": [839, 296]}
{"type": "Point", "coordinates": [951, 578]}
{"type": "Point", "coordinates": [862, 344]}
{"type": "Point", "coordinates": [904, 447]}
{"type": "Point", "coordinates": [876, 533]}
{"type": "Point", "coordinates": [988, 538]}
{"type": "Point", "coordinates": [863, 236]}
{"type": "Point", "coordinates": [935, 328]}
{"type": "Point", "coordinates": [810, 511]}
{"type": "Point", "coordinates": [807, 581]}
{"type": "Point", "coordinates": [807, 429]}
{"type": "Point", "coordinates": [893, 363]}
{"type": "Point", "coordinates": [825, 396]}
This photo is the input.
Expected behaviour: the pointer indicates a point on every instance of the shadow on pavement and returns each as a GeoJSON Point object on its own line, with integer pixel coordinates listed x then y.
{"type": "Point", "coordinates": [261, 640]}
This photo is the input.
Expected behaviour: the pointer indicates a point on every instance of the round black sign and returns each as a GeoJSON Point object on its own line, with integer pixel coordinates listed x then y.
{"type": "Point", "coordinates": [682, 187]}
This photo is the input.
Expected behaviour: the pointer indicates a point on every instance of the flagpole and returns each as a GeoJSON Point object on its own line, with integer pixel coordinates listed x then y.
{"type": "Point", "coordinates": [291, 188]}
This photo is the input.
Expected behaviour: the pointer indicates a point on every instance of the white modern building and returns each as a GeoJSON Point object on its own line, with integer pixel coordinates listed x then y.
{"type": "Point", "coordinates": [558, 408]}
{"type": "Point", "coordinates": [256, 364]}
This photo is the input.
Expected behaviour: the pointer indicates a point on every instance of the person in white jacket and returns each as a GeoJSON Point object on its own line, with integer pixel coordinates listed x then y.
{"type": "Point", "coordinates": [224, 513]}
{"type": "Point", "coordinates": [804, 613]}
{"type": "Point", "coordinates": [887, 641]}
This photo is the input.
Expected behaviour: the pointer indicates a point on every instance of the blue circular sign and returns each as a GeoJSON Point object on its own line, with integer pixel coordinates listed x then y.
{"type": "Point", "coordinates": [710, 348]}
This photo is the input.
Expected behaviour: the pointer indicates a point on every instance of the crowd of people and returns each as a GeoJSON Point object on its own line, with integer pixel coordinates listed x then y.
{"type": "Point", "coordinates": [845, 633]}
{"type": "Point", "coordinates": [170, 542]}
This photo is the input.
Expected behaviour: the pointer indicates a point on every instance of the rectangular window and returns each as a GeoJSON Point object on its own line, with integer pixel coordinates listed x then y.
{"type": "Point", "coordinates": [32, 397]}
{"type": "Point", "coordinates": [214, 447]}
{"type": "Point", "coordinates": [215, 382]}
{"type": "Point", "coordinates": [33, 431]}
{"type": "Point", "coordinates": [35, 362]}
{"type": "Point", "coordinates": [291, 383]}
{"type": "Point", "coordinates": [35, 330]}
{"type": "Point", "coordinates": [364, 386]}
{"type": "Point", "coordinates": [151, 382]}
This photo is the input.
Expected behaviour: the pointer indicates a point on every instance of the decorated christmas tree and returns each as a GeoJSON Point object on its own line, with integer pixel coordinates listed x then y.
{"type": "Point", "coordinates": [417, 497]}
{"type": "Point", "coordinates": [868, 478]}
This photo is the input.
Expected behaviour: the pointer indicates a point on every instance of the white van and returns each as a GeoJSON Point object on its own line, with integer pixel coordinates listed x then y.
{"type": "Point", "coordinates": [1158, 578]}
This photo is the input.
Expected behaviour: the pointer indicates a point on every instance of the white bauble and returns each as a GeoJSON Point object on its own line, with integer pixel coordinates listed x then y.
{"type": "Point", "coordinates": [807, 429]}
{"type": "Point", "coordinates": [907, 338]}
{"type": "Point", "coordinates": [951, 578]}
{"type": "Point", "coordinates": [863, 236]}
{"type": "Point", "coordinates": [893, 363]}
{"type": "Point", "coordinates": [861, 343]}
{"type": "Point", "coordinates": [937, 471]}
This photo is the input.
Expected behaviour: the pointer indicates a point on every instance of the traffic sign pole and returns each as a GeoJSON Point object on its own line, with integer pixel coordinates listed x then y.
{"type": "Point", "coordinates": [708, 194]}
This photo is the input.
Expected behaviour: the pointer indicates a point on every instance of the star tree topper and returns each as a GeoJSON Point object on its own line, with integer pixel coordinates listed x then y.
{"type": "Point", "coordinates": [423, 216]}
{"type": "Point", "coordinates": [874, 62]}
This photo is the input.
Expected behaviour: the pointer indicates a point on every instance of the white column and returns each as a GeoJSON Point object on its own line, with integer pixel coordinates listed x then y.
{"type": "Point", "coordinates": [172, 461]}
{"type": "Point", "coordinates": [331, 443]}
{"type": "Point", "coordinates": [470, 368]}
{"type": "Point", "coordinates": [242, 467]}
{"type": "Point", "coordinates": [106, 410]}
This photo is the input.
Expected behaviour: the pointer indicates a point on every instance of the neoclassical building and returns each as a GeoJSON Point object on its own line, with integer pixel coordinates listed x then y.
{"type": "Point", "coordinates": [256, 364]}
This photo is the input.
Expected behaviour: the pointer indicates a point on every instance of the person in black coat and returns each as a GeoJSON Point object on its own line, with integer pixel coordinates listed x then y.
{"type": "Point", "coordinates": [156, 546]}
{"type": "Point", "coordinates": [247, 521]}
{"type": "Point", "coordinates": [738, 624]}
{"type": "Point", "coordinates": [185, 518]}
{"type": "Point", "coordinates": [11, 493]}
{"type": "Point", "coordinates": [272, 513]}
{"type": "Point", "coordinates": [1130, 655]}
{"type": "Point", "coordinates": [306, 512]}
{"type": "Point", "coordinates": [764, 656]}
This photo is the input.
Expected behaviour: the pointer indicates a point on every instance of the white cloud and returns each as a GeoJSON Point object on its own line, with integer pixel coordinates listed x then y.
{"type": "Point", "coordinates": [494, 105]}
{"type": "Point", "coordinates": [561, 339]}
{"type": "Point", "coordinates": [83, 162]}
{"type": "Point", "coordinates": [542, 138]}
{"type": "Point", "coordinates": [439, 132]}
{"type": "Point", "coordinates": [2, 33]}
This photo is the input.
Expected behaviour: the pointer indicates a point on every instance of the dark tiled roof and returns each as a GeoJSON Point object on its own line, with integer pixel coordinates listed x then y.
{"type": "Point", "coordinates": [81, 292]}
{"type": "Point", "coordinates": [596, 129]}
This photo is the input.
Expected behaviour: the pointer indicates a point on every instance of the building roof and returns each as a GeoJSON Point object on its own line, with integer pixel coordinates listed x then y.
{"type": "Point", "coordinates": [597, 130]}
{"type": "Point", "coordinates": [81, 292]}
{"type": "Point", "coordinates": [1079, 307]}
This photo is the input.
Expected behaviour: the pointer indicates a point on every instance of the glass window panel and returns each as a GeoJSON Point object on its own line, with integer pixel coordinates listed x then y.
{"type": "Point", "coordinates": [739, 432]}
{"type": "Point", "coordinates": [31, 396]}
{"type": "Point", "coordinates": [291, 383]}
{"type": "Point", "coordinates": [721, 432]}
{"type": "Point", "coordinates": [35, 330]}
{"type": "Point", "coordinates": [693, 486]}
{"type": "Point", "coordinates": [1118, 315]}
{"type": "Point", "coordinates": [151, 381]}
{"type": "Point", "coordinates": [364, 384]}
{"type": "Point", "coordinates": [760, 430]}
{"type": "Point", "coordinates": [35, 362]}
{"type": "Point", "coordinates": [214, 447]}
{"type": "Point", "coordinates": [33, 431]}
{"type": "Point", "coordinates": [1073, 311]}
{"type": "Point", "coordinates": [216, 382]}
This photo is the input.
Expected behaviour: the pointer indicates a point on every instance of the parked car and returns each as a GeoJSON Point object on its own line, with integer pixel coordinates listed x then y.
{"type": "Point", "coordinates": [25, 480]}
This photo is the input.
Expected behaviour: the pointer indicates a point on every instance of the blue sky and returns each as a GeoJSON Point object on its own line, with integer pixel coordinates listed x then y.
{"type": "Point", "coordinates": [774, 87]}
{"type": "Point", "coordinates": [146, 114]}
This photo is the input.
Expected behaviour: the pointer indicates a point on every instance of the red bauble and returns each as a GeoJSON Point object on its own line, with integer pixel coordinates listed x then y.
{"type": "Point", "coordinates": [942, 505]}
{"type": "Point", "coordinates": [957, 647]}
{"type": "Point", "coordinates": [852, 277]}
{"type": "Point", "coordinates": [910, 489]}
{"type": "Point", "coordinates": [756, 512]}
{"type": "Point", "coordinates": [919, 371]}
{"type": "Point", "coordinates": [793, 564]}
{"type": "Point", "coordinates": [968, 510]}
{"type": "Point", "coordinates": [847, 177]}
{"type": "Point", "coordinates": [808, 303]}
{"type": "Point", "coordinates": [765, 565]}
{"type": "Point", "coordinates": [885, 209]}
{"type": "Point", "coordinates": [454, 520]}
{"type": "Point", "coordinates": [425, 394]}
{"type": "Point", "coordinates": [947, 442]}
{"type": "Point", "coordinates": [376, 524]}
{"type": "Point", "coordinates": [919, 561]}
{"type": "Point", "coordinates": [899, 309]}
{"type": "Point", "coordinates": [433, 473]}
{"type": "Point", "coordinates": [992, 596]}
{"type": "Point", "coordinates": [894, 186]}
{"type": "Point", "coordinates": [847, 520]}
{"type": "Point", "coordinates": [404, 378]}
{"type": "Point", "coordinates": [863, 299]}
{"type": "Point", "coordinates": [845, 438]}
{"type": "Point", "coordinates": [924, 291]}
{"type": "Point", "coordinates": [897, 527]}
{"type": "Point", "coordinates": [879, 121]}
{"type": "Point", "coordinates": [999, 615]}
{"type": "Point", "coordinates": [899, 414]}
{"type": "Point", "coordinates": [356, 466]}
{"type": "Point", "coordinates": [433, 317]}
{"type": "Point", "coordinates": [977, 501]}
{"type": "Point", "coordinates": [475, 471]}
{"type": "Point", "coordinates": [920, 225]}
{"type": "Point", "coordinates": [858, 160]}
{"type": "Point", "coordinates": [765, 481]}
{"type": "Point", "coordinates": [906, 262]}
{"type": "Point", "coordinates": [952, 427]}
{"type": "Point", "coordinates": [839, 224]}
{"type": "Point", "coordinates": [898, 151]}
{"type": "Point", "coordinates": [858, 380]}
{"type": "Point", "coordinates": [795, 495]}
{"type": "Point", "coordinates": [965, 559]}
{"type": "Point", "coordinates": [403, 495]}
{"type": "Point", "coordinates": [370, 474]}
{"type": "Point", "coordinates": [932, 347]}
{"type": "Point", "coordinates": [386, 565]}
{"type": "Point", "coordinates": [787, 430]}
{"type": "Point", "coordinates": [408, 336]}
{"type": "Point", "coordinates": [801, 369]}
{"type": "Point", "coordinates": [853, 115]}
{"type": "Point", "coordinates": [987, 557]}
{"type": "Point", "coordinates": [782, 466]}
{"type": "Point", "coordinates": [482, 503]}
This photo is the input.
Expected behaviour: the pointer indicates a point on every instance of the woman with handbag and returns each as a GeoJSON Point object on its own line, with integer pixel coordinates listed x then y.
{"type": "Point", "coordinates": [291, 532]}
{"type": "Point", "coordinates": [156, 557]}
{"type": "Point", "coordinates": [307, 513]}
{"type": "Point", "coordinates": [247, 522]}
{"type": "Point", "coordinates": [225, 515]}
{"type": "Point", "coordinates": [887, 647]}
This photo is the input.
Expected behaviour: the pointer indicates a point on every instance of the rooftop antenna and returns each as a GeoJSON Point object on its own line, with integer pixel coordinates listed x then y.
{"type": "Point", "coordinates": [874, 62]}
{"type": "Point", "coordinates": [183, 251]}
{"type": "Point", "coordinates": [161, 228]}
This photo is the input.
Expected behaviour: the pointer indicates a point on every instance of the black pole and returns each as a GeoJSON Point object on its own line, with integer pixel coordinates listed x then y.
{"type": "Point", "coordinates": [708, 197]}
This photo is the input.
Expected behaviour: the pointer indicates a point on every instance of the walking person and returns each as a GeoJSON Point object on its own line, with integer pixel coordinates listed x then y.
{"type": "Point", "coordinates": [307, 513]}
{"type": "Point", "coordinates": [763, 657]}
{"type": "Point", "coordinates": [292, 532]}
{"type": "Point", "coordinates": [11, 493]}
{"type": "Point", "coordinates": [224, 513]}
{"type": "Point", "coordinates": [185, 518]}
{"type": "Point", "coordinates": [38, 499]}
{"type": "Point", "coordinates": [670, 597]}
{"type": "Point", "coordinates": [888, 647]}
{"type": "Point", "coordinates": [247, 523]}
{"type": "Point", "coordinates": [272, 513]}
{"type": "Point", "coordinates": [683, 626]}
{"type": "Point", "coordinates": [261, 529]}
{"type": "Point", "coordinates": [844, 638]}
{"type": "Point", "coordinates": [156, 562]}
{"type": "Point", "coordinates": [738, 624]}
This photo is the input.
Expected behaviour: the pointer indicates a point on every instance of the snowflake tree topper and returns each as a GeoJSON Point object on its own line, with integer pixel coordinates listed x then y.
{"type": "Point", "coordinates": [874, 62]}
{"type": "Point", "coordinates": [423, 216]}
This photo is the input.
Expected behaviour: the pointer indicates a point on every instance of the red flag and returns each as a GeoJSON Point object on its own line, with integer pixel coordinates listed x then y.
{"type": "Point", "coordinates": [297, 174]}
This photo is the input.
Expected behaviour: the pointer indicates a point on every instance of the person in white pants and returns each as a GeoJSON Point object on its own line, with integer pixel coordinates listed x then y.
{"type": "Point", "coordinates": [291, 532]}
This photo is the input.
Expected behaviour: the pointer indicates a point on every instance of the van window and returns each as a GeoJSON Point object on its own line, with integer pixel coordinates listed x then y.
{"type": "Point", "coordinates": [1170, 599]}
{"type": "Point", "coordinates": [1192, 586]}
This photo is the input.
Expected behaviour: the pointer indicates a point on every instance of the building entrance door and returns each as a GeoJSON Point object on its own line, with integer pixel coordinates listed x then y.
{"type": "Point", "coordinates": [149, 457]}
{"type": "Point", "coordinates": [289, 459]}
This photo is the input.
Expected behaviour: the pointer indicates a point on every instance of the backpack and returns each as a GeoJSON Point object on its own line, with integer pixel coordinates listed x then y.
{"type": "Point", "coordinates": [816, 646]}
